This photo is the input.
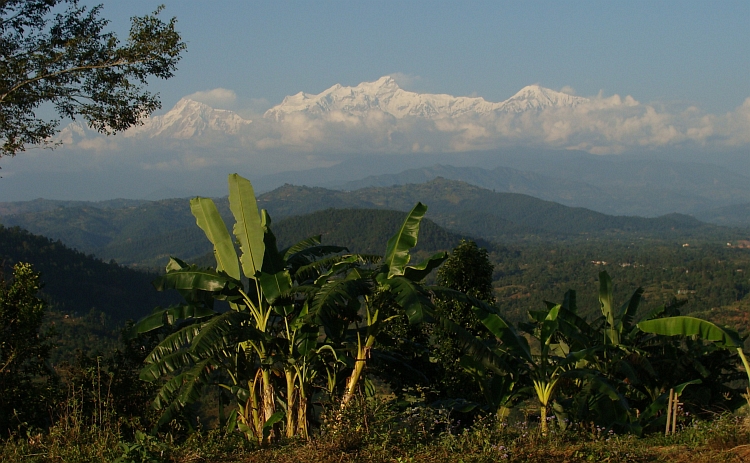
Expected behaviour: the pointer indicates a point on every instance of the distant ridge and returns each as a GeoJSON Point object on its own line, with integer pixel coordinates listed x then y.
{"type": "Point", "coordinates": [736, 215]}
{"type": "Point", "coordinates": [148, 233]}
{"type": "Point", "coordinates": [479, 212]}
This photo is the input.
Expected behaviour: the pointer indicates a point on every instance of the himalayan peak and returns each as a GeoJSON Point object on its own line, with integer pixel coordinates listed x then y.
{"type": "Point", "coordinates": [189, 118]}
{"type": "Point", "coordinates": [385, 95]}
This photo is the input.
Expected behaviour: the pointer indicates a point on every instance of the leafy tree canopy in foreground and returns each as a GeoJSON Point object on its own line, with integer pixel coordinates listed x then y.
{"type": "Point", "coordinates": [57, 52]}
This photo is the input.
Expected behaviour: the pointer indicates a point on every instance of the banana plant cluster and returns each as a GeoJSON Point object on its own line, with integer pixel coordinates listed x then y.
{"type": "Point", "coordinates": [599, 371]}
{"type": "Point", "coordinates": [297, 320]}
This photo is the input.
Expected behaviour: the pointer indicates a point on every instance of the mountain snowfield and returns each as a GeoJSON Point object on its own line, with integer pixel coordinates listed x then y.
{"type": "Point", "coordinates": [386, 96]}
{"type": "Point", "coordinates": [381, 117]}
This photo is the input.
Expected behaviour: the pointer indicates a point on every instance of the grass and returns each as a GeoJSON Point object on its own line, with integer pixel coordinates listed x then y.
{"type": "Point", "coordinates": [380, 433]}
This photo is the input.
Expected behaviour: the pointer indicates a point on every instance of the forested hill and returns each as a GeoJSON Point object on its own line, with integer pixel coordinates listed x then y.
{"type": "Point", "coordinates": [77, 283]}
{"type": "Point", "coordinates": [40, 205]}
{"type": "Point", "coordinates": [495, 216]}
{"type": "Point", "coordinates": [363, 230]}
{"type": "Point", "coordinates": [147, 233]}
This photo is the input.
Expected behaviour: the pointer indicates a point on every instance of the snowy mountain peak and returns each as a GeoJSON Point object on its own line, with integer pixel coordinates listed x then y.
{"type": "Point", "coordinates": [538, 97]}
{"type": "Point", "coordinates": [189, 118]}
{"type": "Point", "coordinates": [386, 96]}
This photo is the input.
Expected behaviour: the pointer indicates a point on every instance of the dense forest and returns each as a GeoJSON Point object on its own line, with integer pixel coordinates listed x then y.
{"type": "Point", "coordinates": [75, 283]}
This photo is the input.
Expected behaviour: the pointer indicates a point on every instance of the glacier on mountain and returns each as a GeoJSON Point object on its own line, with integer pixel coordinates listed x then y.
{"type": "Point", "coordinates": [385, 95]}
{"type": "Point", "coordinates": [188, 119]}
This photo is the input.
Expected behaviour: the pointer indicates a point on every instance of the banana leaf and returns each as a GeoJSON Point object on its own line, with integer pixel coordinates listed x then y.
{"type": "Point", "coordinates": [248, 228]}
{"type": "Point", "coordinates": [690, 326]}
{"type": "Point", "coordinates": [192, 278]}
{"type": "Point", "coordinates": [208, 219]}
{"type": "Point", "coordinates": [412, 298]}
{"type": "Point", "coordinates": [161, 317]}
{"type": "Point", "coordinates": [420, 271]}
{"type": "Point", "coordinates": [397, 251]}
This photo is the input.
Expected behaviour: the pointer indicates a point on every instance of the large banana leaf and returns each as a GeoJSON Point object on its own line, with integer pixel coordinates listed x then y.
{"type": "Point", "coordinates": [174, 342]}
{"type": "Point", "coordinates": [181, 390]}
{"type": "Point", "coordinates": [275, 285]}
{"type": "Point", "coordinates": [501, 329]}
{"type": "Point", "coordinates": [549, 326]}
{"type": "Point", "coordinates": [420, 271]}
{"type": "Point", "coordinates": [192, 278]}
{"type": "Point", "coordinates": [690, 326]}
{"type": "Point", "coordinates": [324, 267]}
{"type": "Point", "coordinates": [628, 311]}
{"type": "Point", "coordinates": [248, 227]}
{"type": "Point", "coordinates": [335, 294]}
{"type": "Point", "coordinates": [169, 316]}
{"type": "Point", "coordinates": [397, 250]}
{"type": "Point", "coordinates": [477, 350]}
{"type": "Point", "coordinates": [273, 260]}
{"type": "Point", "coordinates": [412, 298]}
{"type": "Point", "coordinates": [305, 256]}
{"type": "Point", "coordinates": [208, 219]}
{"type": "Point", "coordinates": [299, 246]}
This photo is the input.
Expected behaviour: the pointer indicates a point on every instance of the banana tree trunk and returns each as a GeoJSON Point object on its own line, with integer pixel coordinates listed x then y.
{"type": "Point", "coordinates": [290, 403]}
{"type": "Point", "coordinates": [269, 405]}
{"type": "Point", "coordinates": [359, 365]}
{"type": "Point", "coordinates": [302, 417]}
{"type": "Point", "coordinates": [255, 412]}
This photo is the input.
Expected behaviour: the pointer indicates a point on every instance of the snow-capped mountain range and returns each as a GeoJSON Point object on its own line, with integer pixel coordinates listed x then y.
{"type": "Point", "coordinates": [190, 119]}
{"type": "Point", "coordinates": [381, 117]}
{"type": "Point", "coordinates": [385, 95]}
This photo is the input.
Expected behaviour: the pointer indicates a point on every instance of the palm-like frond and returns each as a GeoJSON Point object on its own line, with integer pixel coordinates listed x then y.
{"type": "Point", "coordinates": [397, 251]}
{"type": "Point", "coordinates": [183, 389]}
{"type": "Point", "coordinates": [169, 316]}
{"type": "Point", "coordinates": [299, 246]}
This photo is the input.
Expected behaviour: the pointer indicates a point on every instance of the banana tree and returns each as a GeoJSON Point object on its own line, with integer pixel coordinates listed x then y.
{"type": "Point", "coordinates": [359, 290]}
{"type": "Point", "coordinates": [260, 334]}
{"type": "Point", "coordinates": [618, 323]}
{"type": "Point", "coordinates": [703, 329]}
{"type": "Point", "coordinates": [500, 365]}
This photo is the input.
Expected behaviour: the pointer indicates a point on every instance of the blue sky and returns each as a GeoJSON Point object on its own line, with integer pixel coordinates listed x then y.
{"type": "Point", "coordinates": [673, 52]}
{"type": "Point", "coordinates": [686, 65]}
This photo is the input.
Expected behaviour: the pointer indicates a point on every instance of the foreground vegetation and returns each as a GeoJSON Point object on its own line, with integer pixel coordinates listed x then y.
{"type": "Point", "coordinates": [381, 433]}
{"type": "Point", "coordinates": [316, 352]}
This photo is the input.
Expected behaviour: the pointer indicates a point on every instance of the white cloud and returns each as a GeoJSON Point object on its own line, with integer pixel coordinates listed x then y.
{"type": "Point", "coordinates": [406, 81]}
{"type": "Point", "coordinates": [568, 89]}
{"type": "Point", "coordinates": [220, 98]}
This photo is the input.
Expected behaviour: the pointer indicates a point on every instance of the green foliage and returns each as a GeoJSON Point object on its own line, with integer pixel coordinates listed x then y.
{"type": "Point", "coordinates": [24, 376]}
{"type": "Point", "coordinates": [58, 52]}
{"type": "Point", "coordinates": [144, 449]}
{"type": "Point", "coordinates": [467, 270]}
{"type": "Point", "coordinates": [707, 274]}
{"type": "Point", "coordinates": [305, 313]}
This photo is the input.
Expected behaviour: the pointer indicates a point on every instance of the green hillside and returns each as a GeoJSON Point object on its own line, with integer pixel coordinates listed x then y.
{"type": "Point", "coordinates": [480, 212]}
{"type": "Point", "coordinates": [144, 234]}
{"type": "Point", "coordinates": [361, 230]}
{"type": "Point", "coordinates": [77, 283]}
